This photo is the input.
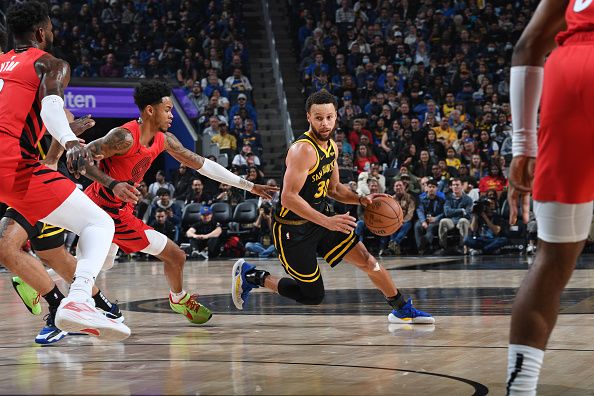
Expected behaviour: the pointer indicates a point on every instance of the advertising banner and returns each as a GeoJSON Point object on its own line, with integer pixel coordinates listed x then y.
{"type": "Point", "coordinates": [101, 102]}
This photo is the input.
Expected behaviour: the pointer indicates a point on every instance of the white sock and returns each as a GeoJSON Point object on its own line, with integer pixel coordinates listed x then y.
{"type": "Point", "coordinates": [176, 297]}
{"type": "Point", "coordinates": [523, 368]}
{"type": "Point", "coordinates": [81, 289]}
{"type": "Point", "coordinates": [95, 229]}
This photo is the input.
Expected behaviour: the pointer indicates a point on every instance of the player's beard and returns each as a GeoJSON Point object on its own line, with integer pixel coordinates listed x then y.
{"type": "Point", "coordinates": [319, 137]}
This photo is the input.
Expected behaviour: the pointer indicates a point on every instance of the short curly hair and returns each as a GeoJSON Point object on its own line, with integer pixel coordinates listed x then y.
{"type": "Point", "coordinates": [150, 92]}
{"type": "Point", "coordinates": [320, 97]}
{"type": "Point", "coordinates": [24, 17]}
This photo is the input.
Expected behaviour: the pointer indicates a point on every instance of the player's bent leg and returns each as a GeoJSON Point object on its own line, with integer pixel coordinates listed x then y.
{"type": "Point", "coordinates": [562, 230]}
{"type": "Point", "coordinates": [61, 261]}
{"type": "Point", "coordinates": [77, 312]}
{"type": "Point", "coordinates": [403, 311]}
{"type": "Point", "coordinates": [174, 258]}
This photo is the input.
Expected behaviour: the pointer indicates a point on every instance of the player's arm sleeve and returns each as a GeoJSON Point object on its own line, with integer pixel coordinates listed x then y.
{"type": "Point", "coordinates": [54, 119]}
{"type": "Point", "coordinates": [204, 166]}
{"type": "Point", "coordinates": [525, 93]}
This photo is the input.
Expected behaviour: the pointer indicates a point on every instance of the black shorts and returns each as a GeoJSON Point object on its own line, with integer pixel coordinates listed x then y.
{"type": "Point", "coordinates": [299, 245]}
{"type": "Point", "coordinates": [42, 236]}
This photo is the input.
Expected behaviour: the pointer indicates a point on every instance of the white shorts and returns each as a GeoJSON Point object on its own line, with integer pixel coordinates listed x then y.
{"type": "Point", "coordinates": [563, 223]}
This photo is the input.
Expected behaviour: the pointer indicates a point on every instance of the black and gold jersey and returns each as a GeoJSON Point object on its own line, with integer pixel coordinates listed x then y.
{"type": "Point", "coordinates": [315, 188]}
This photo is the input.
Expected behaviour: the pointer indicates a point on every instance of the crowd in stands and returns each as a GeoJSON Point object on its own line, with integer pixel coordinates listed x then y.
{"type": "Point", "coordinates": [424, 113]}
{"type": "Point", "coordinates": [197, 45]}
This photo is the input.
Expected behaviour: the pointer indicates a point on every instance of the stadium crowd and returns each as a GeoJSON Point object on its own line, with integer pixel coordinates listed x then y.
{"type": "Point", "coordinates": [424, 113]}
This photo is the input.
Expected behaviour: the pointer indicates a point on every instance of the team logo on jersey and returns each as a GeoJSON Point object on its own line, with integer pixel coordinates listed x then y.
{"type": "Point", "coordinates": [140, 169]}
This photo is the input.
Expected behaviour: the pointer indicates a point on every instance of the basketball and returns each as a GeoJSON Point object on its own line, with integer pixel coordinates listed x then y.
{"type": "Point", "coordinates": [383, 216]}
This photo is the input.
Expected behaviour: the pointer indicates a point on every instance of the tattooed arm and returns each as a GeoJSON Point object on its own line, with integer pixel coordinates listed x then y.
{"type": "Point", "coordinates": [117, 142]}
{"type": "Point", "coordinates": [211, 169]}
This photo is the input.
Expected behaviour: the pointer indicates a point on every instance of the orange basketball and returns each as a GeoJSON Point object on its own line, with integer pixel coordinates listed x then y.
{"type": "Point", "coordinates": [383, 216]}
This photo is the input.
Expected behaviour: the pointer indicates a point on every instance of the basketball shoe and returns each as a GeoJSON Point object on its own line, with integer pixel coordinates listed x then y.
{"type": "Point", "coordinates": [240, 287]}
{"type": "Point", "coordinates": [114, 313]}
{"type": "Point", "coordinates": [409, 314]}
{"type": "Point", "coordinates": [189, 307]}
{"type": "Point", "coordinates": [83, 317]}
{"type": "Point", "coordinates": [29, 295]}
{"type": "Point", "coordinates": [50, 333]}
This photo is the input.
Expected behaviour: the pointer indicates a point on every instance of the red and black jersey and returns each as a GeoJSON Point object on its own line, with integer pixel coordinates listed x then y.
{"type": "Point", "coordinates": [130, 167]}
{"type": "Point", "coordinates": [21, 126]}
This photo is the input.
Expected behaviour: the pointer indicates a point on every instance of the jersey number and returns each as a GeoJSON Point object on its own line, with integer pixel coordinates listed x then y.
{"type": "Point", "coordinates": [322, 188]}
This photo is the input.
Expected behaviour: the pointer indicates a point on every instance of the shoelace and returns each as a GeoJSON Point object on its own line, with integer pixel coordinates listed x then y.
{"type": "Point", "coordinates": [192, 304]}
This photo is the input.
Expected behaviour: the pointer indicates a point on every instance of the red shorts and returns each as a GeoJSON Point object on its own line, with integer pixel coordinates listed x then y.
{"type": "Point", "coordinates": [130, 233]}
{"type": "Point", "coordinates": [34, 191]}
{"type": "Point", "coordinates": [565, 162]}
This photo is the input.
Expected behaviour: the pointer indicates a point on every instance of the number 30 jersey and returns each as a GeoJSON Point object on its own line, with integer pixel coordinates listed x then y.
{"type": "Point", "coordinates": [315, 187]}
{"type": "Point", "coordinates": [20, 120]}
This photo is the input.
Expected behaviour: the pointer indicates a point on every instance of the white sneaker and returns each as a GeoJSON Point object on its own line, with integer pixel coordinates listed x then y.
{"type": "Point", "coordinates": [83, 317]}
{"type": "Point", "coordinates": [475, 252]}
{"type": "Point", "coordinates": [204, 254]}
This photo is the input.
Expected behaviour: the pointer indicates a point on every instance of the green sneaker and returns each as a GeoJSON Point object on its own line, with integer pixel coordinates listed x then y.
{"type": "Point", "coordinates": [29, 295]}
{"type": "Point", "coordinates": [191, 309]}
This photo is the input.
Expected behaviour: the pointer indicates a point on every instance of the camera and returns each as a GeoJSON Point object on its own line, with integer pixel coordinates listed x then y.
{"type": "Point", "coordinates": [480, 206]}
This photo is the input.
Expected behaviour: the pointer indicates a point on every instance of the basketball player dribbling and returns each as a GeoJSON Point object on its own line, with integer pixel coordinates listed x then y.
{"type": "Point", "coordinates": [303, 228]}
{"type": "Point", "coordinates": [32, 86]}
{"type": "Point", "coordinates": [559, 172]}
{"type": "Point", "coordinates": [128, 152]}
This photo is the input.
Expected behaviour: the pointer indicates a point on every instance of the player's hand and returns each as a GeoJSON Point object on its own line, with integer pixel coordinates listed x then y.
{"type": "Point", "coordinates": [521, 175]}
{"type": "Point", "coordinates": [77, 158]}
{"type": "Point", "coordinates": [82, 124]}
{"type": "Point", "coordinates": [263, 190]}
{"type": "Point", "coordinates": [342, 223]}
{"type": "Point", "coordinates": [366, 200]}
{"type": "Point", "coordinates": [125, 192]}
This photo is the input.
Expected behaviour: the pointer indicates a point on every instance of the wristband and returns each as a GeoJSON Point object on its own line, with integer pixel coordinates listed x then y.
{"type": "Point", "coordinates": [113, 184]}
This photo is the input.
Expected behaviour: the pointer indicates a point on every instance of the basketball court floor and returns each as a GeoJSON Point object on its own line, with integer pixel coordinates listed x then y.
{"type": "Point", "coordinates": [343, 347]}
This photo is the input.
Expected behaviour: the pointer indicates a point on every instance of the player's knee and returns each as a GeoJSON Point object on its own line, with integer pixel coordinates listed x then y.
{"type": "Point", "coordinates": [102, 219]}
{"type": "Point", "coordinates": [314, 299]}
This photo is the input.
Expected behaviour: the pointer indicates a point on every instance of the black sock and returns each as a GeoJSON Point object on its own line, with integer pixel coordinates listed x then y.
{"type": "Point", "coordinates": [397, 301]}
{"type": "Point", "coordinates": [102, 302]}
{"type": "Point", "coordinates": [256, 277]}
{"type": "Point", "coordinates": [54, 297]}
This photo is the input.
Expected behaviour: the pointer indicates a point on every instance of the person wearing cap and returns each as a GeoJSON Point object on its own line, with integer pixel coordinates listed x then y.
{"type": "Point", "coordinates": [242, 103]}
{"type": "Point", "coordinates": [204, 236]}
{"type": "Point", "coordinates": [429, 212]}
{"type": "Point", "coordinates": [227, 142]}
{"type": "Point", "coordinates": [347, 100]}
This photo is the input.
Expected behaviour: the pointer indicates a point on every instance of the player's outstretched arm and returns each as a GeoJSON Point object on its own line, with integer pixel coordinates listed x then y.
{"type": "Point", "coordinates": [211, 169]}
{"type": "Point", "coordinates": [78, 126]}
{"type": "Point", "coordinates": [55, 76]}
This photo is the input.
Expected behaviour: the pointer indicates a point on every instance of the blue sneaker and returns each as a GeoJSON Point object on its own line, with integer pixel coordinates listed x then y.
{"type": "Point", "coordinates": [50, 333]}
{"type": "Point", "coordinates": [409, 314]}
{"type": "Point", "coordinates": [240, 287]}
{"type": "Point", "coordinates": [114, 313]}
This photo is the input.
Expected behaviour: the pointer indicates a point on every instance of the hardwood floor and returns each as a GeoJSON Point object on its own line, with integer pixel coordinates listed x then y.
{"type": "Point", "coordinates": [344, 346]}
